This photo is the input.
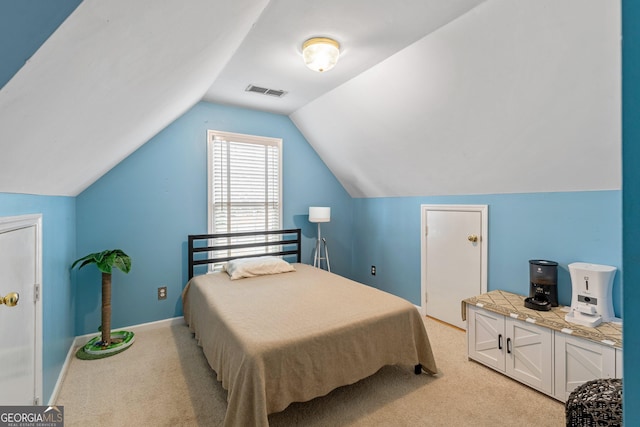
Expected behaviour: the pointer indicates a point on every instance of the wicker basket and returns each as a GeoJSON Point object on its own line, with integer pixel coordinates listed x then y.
{"type": "Point", "coordinates": [595, 403]}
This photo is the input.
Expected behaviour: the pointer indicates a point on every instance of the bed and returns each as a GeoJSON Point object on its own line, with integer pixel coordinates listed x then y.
{"type": "Point", "coordinates": [274, 339]}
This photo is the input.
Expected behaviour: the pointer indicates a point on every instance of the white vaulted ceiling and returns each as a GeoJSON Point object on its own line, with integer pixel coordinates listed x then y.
{"type": "Point", "coordinates": [429, 96]}
{"type": "Point", "coordinates": [369, 31]}
{"type": "Point", "coordinates": [113, 75]}
{"type": "Point", "coordinates": [513, 97]}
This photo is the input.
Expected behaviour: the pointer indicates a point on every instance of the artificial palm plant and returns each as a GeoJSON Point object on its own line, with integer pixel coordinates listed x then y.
{"type": "Point", "coordinates": [106, 261]}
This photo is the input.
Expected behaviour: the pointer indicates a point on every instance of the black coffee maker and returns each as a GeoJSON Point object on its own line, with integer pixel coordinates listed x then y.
{"type": "Point", "coordinates": [543, 288]}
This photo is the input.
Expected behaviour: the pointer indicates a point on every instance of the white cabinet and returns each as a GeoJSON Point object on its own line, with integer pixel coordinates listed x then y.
{"type": "Point", "coordinates": [485, 337]}
{"type": "Point", "coordinates": [519, 349]}
{"type": "Point", "coordinates": [548, 360]}
{"type": "Point", "coordinates": [529, 354]}
{"type": "Point", "coordinates": [618, 363]}
{"type": "Point", "coordinates": [578, 361]}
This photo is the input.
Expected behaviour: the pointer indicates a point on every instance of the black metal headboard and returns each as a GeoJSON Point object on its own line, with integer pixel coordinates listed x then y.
{"type": "Point", "coordinates": [290, 245]}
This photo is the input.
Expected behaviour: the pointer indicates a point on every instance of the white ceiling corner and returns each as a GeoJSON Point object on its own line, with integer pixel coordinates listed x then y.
{"type": "Point", "coordinates": [368, 31]}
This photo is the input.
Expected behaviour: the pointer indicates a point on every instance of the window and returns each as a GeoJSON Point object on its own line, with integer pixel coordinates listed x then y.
{"type": "Point", "coordinates": [244, 183]}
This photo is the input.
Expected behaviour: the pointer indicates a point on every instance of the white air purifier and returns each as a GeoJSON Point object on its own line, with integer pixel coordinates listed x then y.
{"type": "Point", "coordinates": [591, 302]}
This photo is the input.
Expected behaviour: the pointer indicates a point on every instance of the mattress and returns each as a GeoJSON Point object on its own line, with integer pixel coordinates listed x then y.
{"type": "Point", "coordinates": [277, 339]}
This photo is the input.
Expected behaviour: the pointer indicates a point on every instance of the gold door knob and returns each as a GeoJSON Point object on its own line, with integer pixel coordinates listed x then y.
{"type": "Point", "coordinates": [472, 238]}
{"type": "Point", "coordinates": [10, 300]}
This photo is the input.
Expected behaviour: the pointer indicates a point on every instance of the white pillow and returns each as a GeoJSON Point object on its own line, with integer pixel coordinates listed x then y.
{"type": "Point", "coordinates": [257, 266]}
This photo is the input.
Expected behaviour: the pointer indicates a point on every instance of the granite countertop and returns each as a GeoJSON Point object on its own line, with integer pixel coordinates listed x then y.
{"type": "Point", "coordinates": [512, 305]}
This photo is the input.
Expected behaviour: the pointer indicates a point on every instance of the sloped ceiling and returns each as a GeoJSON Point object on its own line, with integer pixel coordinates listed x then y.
{"type": "Point", "coordinates": [512, 97]}
{"type": "Point", "coordinates": [107, 80]}
{"type": "Point", "coordinates": [429, 97]}
{"type": "Point", "coordinates": [369, 31]}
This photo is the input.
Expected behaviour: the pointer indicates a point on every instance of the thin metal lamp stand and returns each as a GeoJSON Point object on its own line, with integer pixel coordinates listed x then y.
{"type": "Point", "coordinates": [321, 253]}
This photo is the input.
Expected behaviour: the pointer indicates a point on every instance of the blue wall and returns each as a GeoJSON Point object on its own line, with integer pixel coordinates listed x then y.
{"type": "Point", "coordinates": [631, 206]}
{"type": "Point", "coordinates": [149, 203]}
{"type": "Point", "coordinates": [58, 251]}
{"type": "Point", "coordinates": [564, 227]}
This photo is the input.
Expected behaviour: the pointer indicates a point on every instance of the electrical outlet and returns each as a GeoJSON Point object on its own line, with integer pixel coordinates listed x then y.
{"type": "Point", "coordinates": [162, 292]}
{"type": "Point", "coordinates": [373, 270]}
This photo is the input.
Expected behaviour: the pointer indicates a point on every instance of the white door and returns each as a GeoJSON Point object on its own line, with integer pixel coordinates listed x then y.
{"type": "Point", "coordinates": [454, 259]}
{"type": "Point", "coordinates": [19, 270]}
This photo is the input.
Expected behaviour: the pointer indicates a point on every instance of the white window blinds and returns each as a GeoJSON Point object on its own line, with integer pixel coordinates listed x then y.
{"type": "Point", "coordinates": [244, 183]}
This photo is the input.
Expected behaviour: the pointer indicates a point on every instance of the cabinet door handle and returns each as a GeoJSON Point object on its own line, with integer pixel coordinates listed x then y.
{"type": "Point", "coordinates": [508, 345]}
{"type": "Point", "coordinates": [499, 341]}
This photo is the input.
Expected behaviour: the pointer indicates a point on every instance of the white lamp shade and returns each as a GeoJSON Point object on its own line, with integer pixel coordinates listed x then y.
{"type": "Point", "coordinates": [319, 214]}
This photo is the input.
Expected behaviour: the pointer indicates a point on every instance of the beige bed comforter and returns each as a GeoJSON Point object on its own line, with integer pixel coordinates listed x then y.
{"type": "Point", "coordinates": [291, 337]}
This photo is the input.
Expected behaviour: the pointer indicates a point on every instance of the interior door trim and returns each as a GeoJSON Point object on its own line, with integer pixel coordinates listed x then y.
{"type": "Point", "coordinates": [484, 245]}
{"type": "Point", "coordinates": [11, 223]}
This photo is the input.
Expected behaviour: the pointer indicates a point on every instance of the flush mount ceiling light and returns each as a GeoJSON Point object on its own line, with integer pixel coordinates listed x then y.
{"type": "Point", "coordinates": [320, 53]}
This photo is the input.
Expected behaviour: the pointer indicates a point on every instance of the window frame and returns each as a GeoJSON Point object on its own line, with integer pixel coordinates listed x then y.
{"type": "Point", "coordinates": [213, 135]}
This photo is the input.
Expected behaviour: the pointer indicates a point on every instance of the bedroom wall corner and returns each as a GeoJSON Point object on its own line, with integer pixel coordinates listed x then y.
{"type": "Point", "coordinates": [151, 201]}
{"type": "Point", "coordinates": [561, 226]}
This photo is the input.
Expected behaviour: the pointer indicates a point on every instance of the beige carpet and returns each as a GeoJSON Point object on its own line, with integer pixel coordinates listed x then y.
{"type": "Point", "coordinates": [164, 380]}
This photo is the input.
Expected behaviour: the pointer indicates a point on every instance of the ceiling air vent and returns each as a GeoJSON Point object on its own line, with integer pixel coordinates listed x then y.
{"type": "Point", "coordinates": [265, 91]}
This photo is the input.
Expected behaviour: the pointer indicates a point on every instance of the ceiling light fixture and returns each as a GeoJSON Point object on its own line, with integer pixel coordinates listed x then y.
{"type": "Point", "coordinates": [320, 53]}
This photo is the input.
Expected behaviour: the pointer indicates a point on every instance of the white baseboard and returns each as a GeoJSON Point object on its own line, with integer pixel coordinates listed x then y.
{"type": "Point", "coordinates": [63, 373]}
{"type": "Point", "coordinates": [81, 339]}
